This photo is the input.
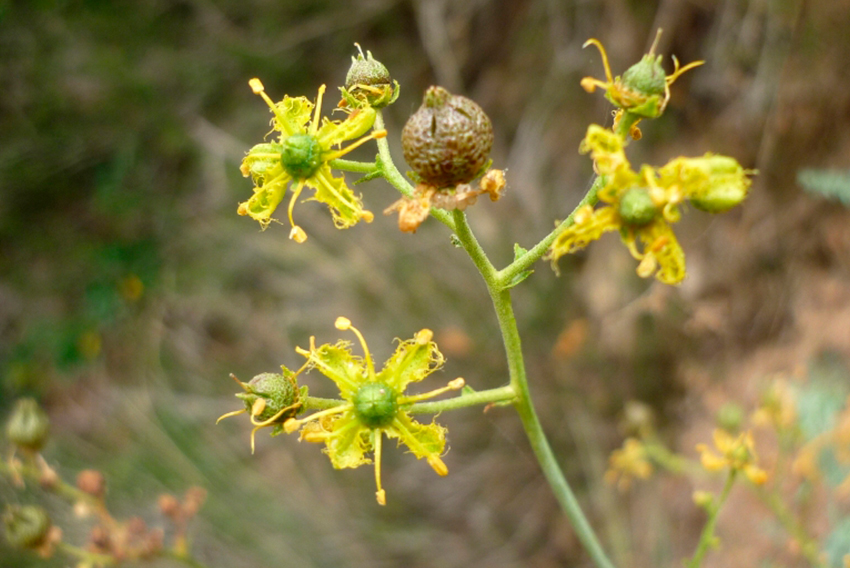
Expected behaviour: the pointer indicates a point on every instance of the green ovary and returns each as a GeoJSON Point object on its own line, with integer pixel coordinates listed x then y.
{"type": "Point", "coordinates": [301, 155]}
{"type": "Point", "coordinates": [375, 404]}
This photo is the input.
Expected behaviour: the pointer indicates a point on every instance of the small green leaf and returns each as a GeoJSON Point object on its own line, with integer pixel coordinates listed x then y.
{"type": "Point", "coordinates": [832, 184]}
{"type": "Point", "coordinates": [518, 251]}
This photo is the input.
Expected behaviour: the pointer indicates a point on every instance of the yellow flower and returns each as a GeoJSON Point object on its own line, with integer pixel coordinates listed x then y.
{"type": "Point", "coordinates": [736, 453]}
{"type": "Point", "coordinates": [375, 404]}
{"type": "Point", "coordinates": [635, 204]}
{"type": "Point", "coordinates": [642, 205]}
{"type": "Point", "coordinates": [628, 462]}
{"type": "Point", "coordinates": [644, 89]}
{"type": "Point", "coordinates": [301, 155]}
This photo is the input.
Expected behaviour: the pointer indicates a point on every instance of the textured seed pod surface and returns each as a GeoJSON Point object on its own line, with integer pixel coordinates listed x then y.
{"type": "Point", "coordinates": [448, 140]}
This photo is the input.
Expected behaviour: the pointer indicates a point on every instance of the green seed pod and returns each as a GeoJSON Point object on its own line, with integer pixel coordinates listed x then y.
{"type": "Point", "coordinates": [28, 426]}
{"type": "Point", "coordinates": [636, 207]}
{"type": "Point", "coordinates": [27, 526]}
{"type": "Point", "coordinates": [278, 390]}
{"type": "Point", "coordinates": [646, 77]}
{"type": "Point", "coordinates": [367, 71]}
{"type": "Point", "coordinates": [301, 155]}
{"type": "Point", "coordinates": [448, 140]}
{"type": "Point", "coordinates": [375, 404]}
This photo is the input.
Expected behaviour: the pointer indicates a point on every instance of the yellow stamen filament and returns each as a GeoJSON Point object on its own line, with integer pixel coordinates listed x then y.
{"type": "Point", "coordinates": [229, 414]}
{"type": "Point", "coordinates": [456, 384]}
{"type": "Point", "coordinates": [369, 365]}
{"type": "Point", "coordinates": [294, 424]}
{"type": "Point", "coordinates": [380, 494]}
{"type": "Point", "coordinates": [297, 234]}
{"type": "Point", "coordinates": [601, 49]}
{"type": "Point", "coordinates": [338, 154]}
{"type": "Point", "coordinates": [314, 126]}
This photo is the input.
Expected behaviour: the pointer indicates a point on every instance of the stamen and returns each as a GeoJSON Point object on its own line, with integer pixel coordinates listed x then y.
{"type": "Point", "coordinates": [294, 424]}
{"type": "Point", "coordinates": [297, 234]}
{"type": "Point", "coordinates": [604, 57]}
{"type": "Point", "coordinates": [314, 126]}
{"type": "Point", "coordinates": [369, 365]}
{"type": "Point", "coordinates": [229, 414]}
{"type": "Point", "coordinates": [438, 465]}
{"type": "Point", "coordinates": [381, 495]}
{"type": "Point", "coordinates": [339, 153]}
{"type": "Point", "coordinates": [456, 384]}
{"type": "Point", "coordinates": [257, 408]}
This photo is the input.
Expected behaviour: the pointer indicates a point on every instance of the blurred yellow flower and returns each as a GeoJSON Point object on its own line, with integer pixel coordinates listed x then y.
{"type": "Point", "coordinates": [736, 453]}
{"type": "Point", "coordinates": [627, 463]}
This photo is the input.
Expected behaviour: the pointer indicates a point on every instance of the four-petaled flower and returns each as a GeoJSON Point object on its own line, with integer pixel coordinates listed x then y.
{"type": "Point", "coordinates": [301, 155]}
{"type": "Point", "coordinates": [642, 205]}
{"type": "Point", "coordinates": [375, 404]}
{"type": "Point", "coordinates": [736, 453]}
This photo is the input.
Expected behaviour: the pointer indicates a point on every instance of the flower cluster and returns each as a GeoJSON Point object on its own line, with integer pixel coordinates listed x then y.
{"type": "Point", "coordinates": [301, 155]}
{"type": "Point", "coordinates": [736, 454]}
{"type": "Point", "coordinates": [374, 403]}
{"type": "Point", "coordinates": [642, 205]}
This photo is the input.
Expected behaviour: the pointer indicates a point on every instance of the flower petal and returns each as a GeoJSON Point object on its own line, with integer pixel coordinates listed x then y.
{"type": "Point", "coordinates": [587, 228]}
{"type": "Point", "coordinates": [292, 115]}
{"type": "Point", "coordinates": [661, 245]}
{"type": "Point", "coordinates": [338, 364]}
{"type": "Point", "coordinates": [412, 361]}
{"type": "Point", "coordinates": [348, 443]}
{"type": "Point", "coordinates": [346, 207]}
{"type": "Point", "coordinates": [265, 200]}
{"type": "Point", "coordinates": [354, 126]}
{"type": "Point", "coordinates": [423, 440]}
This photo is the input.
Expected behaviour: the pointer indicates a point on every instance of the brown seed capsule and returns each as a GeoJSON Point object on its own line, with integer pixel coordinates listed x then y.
{"type": "Point", "coordinates": [448, 140]}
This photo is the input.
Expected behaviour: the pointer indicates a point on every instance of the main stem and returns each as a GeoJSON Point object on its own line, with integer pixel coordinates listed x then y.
{"type": "Point", "coordinates": [501, 298]}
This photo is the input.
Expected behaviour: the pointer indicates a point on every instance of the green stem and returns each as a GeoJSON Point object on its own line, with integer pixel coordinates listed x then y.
{"type": "Point", "coordinates": [707, 538]}
{"type": "Point", "coordinates": [394, 177]}
{"type": "Point", "coordinates": [85, 555]}
{"type": "Point", "coordinates": [353, 166]}
{"type": "Point", "coordinates": [524, 262]}
{"type": "Point", "coordinates": [808, 545]}
{"type": "Point", "coordinates": [504, 394]}
{"type": "Point", "coordinates": [501, 298]}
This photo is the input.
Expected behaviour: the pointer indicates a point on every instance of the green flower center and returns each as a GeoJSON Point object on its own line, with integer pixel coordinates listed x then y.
{"type": "Point", "coordinates": [301, 155]}
{"type": "Point", "coordinates": [375, 404]}
{"type": "Point", "coordinates": [636, 207]}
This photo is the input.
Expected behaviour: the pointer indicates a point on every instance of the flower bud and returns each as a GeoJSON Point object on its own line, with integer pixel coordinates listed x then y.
{"type": "Point", "coordinates": [448, 140]}
{"type": "Point", "coordinates": [28, 426]}
{"type": "Point", "coordinates": [27, 526]}
{"type": "Point", "coordinates": [92, 482]}
{"type": "Point", "coordinates": [636, 207]}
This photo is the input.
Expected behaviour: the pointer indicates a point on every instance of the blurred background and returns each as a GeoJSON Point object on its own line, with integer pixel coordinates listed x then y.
{"type": "Point", "coordinates": [130, 289]}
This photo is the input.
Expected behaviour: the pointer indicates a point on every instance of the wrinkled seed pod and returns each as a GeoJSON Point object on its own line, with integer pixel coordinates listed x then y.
{"type": "Point", "coordinates": [448, 140]}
